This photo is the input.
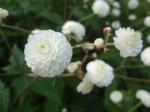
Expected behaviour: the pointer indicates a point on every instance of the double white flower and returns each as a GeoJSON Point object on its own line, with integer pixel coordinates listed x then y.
{"type": "Point", "coordinates": [47, 53]}
{"type": "Point", "coordinates": [128, 42]}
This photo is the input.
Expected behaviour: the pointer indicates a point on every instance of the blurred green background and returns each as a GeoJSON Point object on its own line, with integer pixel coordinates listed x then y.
{"type": "Point", "coordinates": [52, 95]}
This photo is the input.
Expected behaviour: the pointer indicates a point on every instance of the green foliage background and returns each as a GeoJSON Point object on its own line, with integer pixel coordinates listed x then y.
{"type": "Point", "coordinates": [53, 94]}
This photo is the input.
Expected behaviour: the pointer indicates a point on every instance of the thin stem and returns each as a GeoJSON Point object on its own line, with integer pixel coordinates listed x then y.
{"type": "Point", "coordinates": [121, 65]}
{"type": "Point", "coordinates": [135, 107]}
{"type": "Point", "coordinates": [133, 79]}
{"type": "Point", "coordinates": [21, 93]}
{"type": "Point", "coordinates": [15, 28]}
{"type": "Point", "coordinates": [87, 17]}
{"type": "Point", "coordinates": [5, 41]}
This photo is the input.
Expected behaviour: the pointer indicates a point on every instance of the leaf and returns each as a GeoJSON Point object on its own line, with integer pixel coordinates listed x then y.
{"type": "Point", "coordinates": [4, 97]}
{"type": "Point", "coordinates": [51, 88]}
{"type": "Point", "coordinates": [17, 63]}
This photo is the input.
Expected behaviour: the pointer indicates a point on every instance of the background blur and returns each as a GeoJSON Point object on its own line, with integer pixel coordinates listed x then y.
{"type": "Point", "coordinates": [53, 95]}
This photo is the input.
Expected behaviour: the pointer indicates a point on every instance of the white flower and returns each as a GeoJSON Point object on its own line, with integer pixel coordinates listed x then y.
{"type": "Point", "coordinates": [145, 56]}
{"type": "Point", "coordinates": [115, 12]}
{"type": "Point", "coordinates": [116, 96]}
{"type": "Point", "coordinates": [147, 21]}
{"type": "Point", "coordinates": [3, 13]}
{"type": "Point", "coordinates": [116, 4]}
{"type": "Point", "coordinates": [99, 73]}
{"type": "Point", "coordinates": [144, 96]}
{"type": "Point", "coordinates": [99, 43]}
{"type": "Point", "coordinates": [74, 30]}
{"type": "Point", "coordinates": [128, 42]}
{"type": "Point", "coordinates": [132, 17]}
{"type": "Point", "coordinates": [85, 86]}
{"type": "Point", "coordinates": [148, 1]}
{"type": "Point", "coordinates": [64, 110]}
{"type": "Point", "coordinates": [100, 8]}
{"type": "Point", "coordinates": [73, 66]}
{"type": "Point", "coordinates": [47, 53]}
{"type": "Point", "coordinates": [116, 24]}
{"type": "Point", "coordinates": [133, 4]}
{"type": "Point", "coordinates": [148, 38]}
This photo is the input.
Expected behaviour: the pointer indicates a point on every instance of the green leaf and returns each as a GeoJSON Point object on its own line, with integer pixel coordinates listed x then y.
{"type": "Point", "coordinates": [4, 97]}
{"type": "Point", "coordinates": [50, 88]}
{"type": "Point", "coordinates": [17, 63]}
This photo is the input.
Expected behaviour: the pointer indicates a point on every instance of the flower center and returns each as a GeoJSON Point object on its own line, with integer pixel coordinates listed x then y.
{"type": "Point", "coordinates": [43, 48]}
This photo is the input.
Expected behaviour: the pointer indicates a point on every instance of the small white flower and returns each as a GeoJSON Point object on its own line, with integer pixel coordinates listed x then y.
{"type": "Point", "coordinates": [99, 43]}
{"type": "Point", "coordinates": [3, 13]}
{"type": "Point", "coordinates": [116, 4]}
{"type": "Point", "coordinates": [116, 12]}
{"type": "Point", "coordinates": [47, 53]}
{"type": "Point", "coordinates": [99, 73]}
{"type": "Point", "coordinates": [144, 96]}
{"type": "Point", "coordinates": [73, 66]}
{"type": "Point", "coordinates": [116, 24]}
{"type": "Point", "coordinates": [147, 21]}
{"type": "Point", "coordinates": [64, 110]}
{"type": "Point", "coordinates": [85, 86]}
{"type": "Point", "coordinates": [128, 42]}
{"type": "Point", "coordinates": [148, 1]}
{"type": "Point", "coordinates": [132, 17]}
{"type": "Point", "coordinates": [145, 56]}
{"type": "Point", "coordinates": [148, 38]}
{"type": "Point", "coordinates": [116, 96]}
{"type": "Point", "coordinates": [74, 30]}
{"type": "Point", "coordinates": [133, 4]}
{"type": "Point", "coordinates": [100, 8]}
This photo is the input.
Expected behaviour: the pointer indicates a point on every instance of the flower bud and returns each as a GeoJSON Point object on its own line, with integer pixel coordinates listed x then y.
{"type": "Point", "coordinates": [99, 43]}
{"type": "Point", "coordinates": [107, 30]}
{"type": "Point", "coordinates": [73, 66]}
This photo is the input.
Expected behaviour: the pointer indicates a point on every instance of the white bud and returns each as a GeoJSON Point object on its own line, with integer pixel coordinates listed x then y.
{"type": "Point", "coordinates": [73, 66]}
{"type": "Point", "coordinates": [99, 43]}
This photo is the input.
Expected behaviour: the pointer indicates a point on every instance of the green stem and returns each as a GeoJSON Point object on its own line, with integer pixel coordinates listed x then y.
{"type": "Point", "coordinates": [21, 94]}
{"type": "Point", "coordinates": [135, 107]}
{"type": "Point", "coordinates": [15, 28]}
{"type": "Point", "coordinates": [87, 17]}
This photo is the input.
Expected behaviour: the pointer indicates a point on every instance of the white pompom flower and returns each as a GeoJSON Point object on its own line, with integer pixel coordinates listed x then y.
{"type": "Point", "coordinates": [73, 66]}
{"type": "Point", "coordinates": [74, 30]}
{"type": "Point", "coordinates": [99, 73]}
{"type": "Point", "coordinates": [116, 12]}
{"type": "Point", "coordinates": [85, 87]}
{"type": "Point", "coordinates": [116, 4]}
{"type": "Point", "coordinates": [116, 96]}
{"type": "Point", "coordinates": [116, 24]}
{"type": "Point", "coordinates": [101, 8]}
{"type": "Point", "coordinates": [133, 4]}
{"type": "Point", "coordinates": [144, 97]}
{"type": "Point", "coordinates": [145, 56]}
{"type": "Point", "coordinates": [147, 21]}
{"type": "Point", "coordinates": [3, 13]}
{"type": "Point", "coordinates": [148, 38]}
{"type": "Point", "coordinates": [47, 53]}
{"type": "Point", "coordinates": [128, 42]}
{"type": "Point", "coordinates": [132, 17]}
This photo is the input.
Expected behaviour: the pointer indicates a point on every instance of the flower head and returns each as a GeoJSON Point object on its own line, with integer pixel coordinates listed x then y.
{"type": "Point", "coordinates": [133, 4]}
{"type": "Point", "coordinates": [3, 13]}
{"type": "Point", "coordinates": [74, 30]}
{"type": "Point", "coordinates": [116, 96]}
{"type": "Point", "coordinates": [85, 86]}
{"type": "Point", "coordinates": [99, 73]}
{"type": "Point", "coordinates": [128, 42]}
{"type": "Point", "coordinates": [100, 8]}
{"type": "Point", "coordinates": [47, 53]}
{"type": "Point", "coordinates": [144, 96]}
{"type": "Point", "coordinates": [145, 56]}
{"type": "Point", "coordinates": [147, 21]}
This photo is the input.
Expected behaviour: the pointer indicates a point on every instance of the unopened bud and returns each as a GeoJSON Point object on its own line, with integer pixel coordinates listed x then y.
{"type": "Point", "coordinates": [99, 43]}
{"type": "Point", "coordinates": [107, 30]}
{"type": "Point", "coordinates": [73, 66]}
{"type": "Point", "coordinates": [94, 55]}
